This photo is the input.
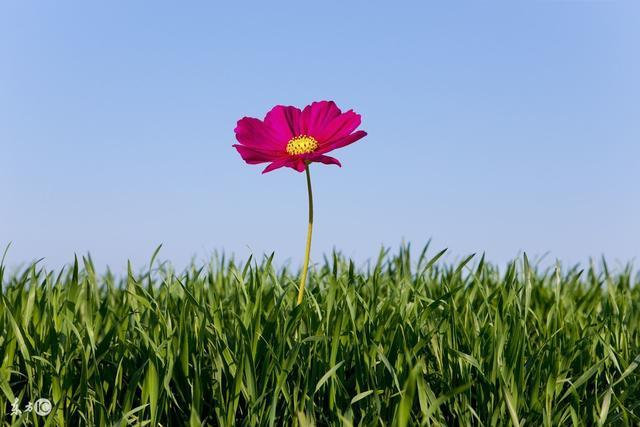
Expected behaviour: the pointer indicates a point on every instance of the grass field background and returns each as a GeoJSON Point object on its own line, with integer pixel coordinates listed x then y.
{"type": "Point", "coordinates": [406, 340]}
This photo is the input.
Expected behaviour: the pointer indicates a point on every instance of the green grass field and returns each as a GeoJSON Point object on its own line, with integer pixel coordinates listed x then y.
{"type": "Point", "coordinates": [404, 341]}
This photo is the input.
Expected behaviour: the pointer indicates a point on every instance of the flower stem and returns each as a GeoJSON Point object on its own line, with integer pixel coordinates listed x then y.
{"type": "Point", "coordinates": [305, 264]}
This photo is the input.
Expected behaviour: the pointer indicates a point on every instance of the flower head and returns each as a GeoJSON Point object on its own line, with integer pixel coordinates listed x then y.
{"type": "Point", "coordinates": [294, 138]}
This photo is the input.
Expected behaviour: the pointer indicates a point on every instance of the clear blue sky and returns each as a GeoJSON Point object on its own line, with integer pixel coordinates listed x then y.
{"type": "Point", "coordinates": [493, 126]}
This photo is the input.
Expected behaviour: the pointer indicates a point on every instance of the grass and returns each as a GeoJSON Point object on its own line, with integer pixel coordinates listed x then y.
{"type": "Point", "coordinates": [401, 342]}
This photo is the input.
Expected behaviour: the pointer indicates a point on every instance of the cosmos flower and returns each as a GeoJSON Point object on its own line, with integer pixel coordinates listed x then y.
{"type": "Point", "coordinates": [295, 138]}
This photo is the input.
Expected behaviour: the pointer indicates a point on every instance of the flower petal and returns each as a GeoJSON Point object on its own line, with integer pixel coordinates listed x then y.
{"type": "Point", "coordinates": [276, 164]}
{"type": "Point", "coordinates": [317, 116]}
{"type": "Point", "coordinates": [349, 139]}
{"type": "Point", "coordinates": [255, 133]}
{"type": "Point", "coordinates": [253, 155]}
{"type": "Point", "coordinates": [297, 164]}
{"type": "Point", "coordinates": [326, 160]}
{"type": "Point", "coordinates": [284, 123]}
{"type": "Point", "coordinates": [337, 128]}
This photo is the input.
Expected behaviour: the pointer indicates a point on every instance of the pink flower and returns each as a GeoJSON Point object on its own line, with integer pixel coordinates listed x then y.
{"type": "Point", "coordinates": [293, 138]}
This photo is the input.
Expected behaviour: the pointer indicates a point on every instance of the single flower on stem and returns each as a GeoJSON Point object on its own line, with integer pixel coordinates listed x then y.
{"type": "Point", "coordinates": [294, 138]}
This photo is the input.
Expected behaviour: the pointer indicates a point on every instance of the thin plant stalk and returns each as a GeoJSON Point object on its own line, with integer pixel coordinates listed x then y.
{"type": "Point", "coordinates": [305, 264]}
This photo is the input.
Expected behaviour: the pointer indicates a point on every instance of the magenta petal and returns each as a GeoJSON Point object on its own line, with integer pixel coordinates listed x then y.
{"type": "Point", "coordinates": [255, 133]}
{"type": "Point", "coordinates": [349, 139]}
{"type": "Point", "coordinates": [276, 164]}
{"type": "Point", "coordinates": [326, 160]}
{"type": "Point", "coordinates": [253, 155]}
{"type": "Point", "coordinates": [284, 122]}
{"type": "Point", "coordinates": [297, 164]}
{"type": "Point", "coordinates": [317, 116]}
{"type": "Point", "coordinates": [338, 128]}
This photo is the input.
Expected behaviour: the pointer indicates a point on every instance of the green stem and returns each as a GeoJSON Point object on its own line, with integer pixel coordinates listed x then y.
{"type": "Point", "coordinates": [305, 264]}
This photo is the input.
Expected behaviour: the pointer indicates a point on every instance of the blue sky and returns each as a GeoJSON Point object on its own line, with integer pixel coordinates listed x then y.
{"type": "Point", "coordinates": [493, 126]}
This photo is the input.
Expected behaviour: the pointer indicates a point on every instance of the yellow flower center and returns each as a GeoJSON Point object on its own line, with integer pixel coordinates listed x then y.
{"type": "Point", "coordinates": [302, 144]}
